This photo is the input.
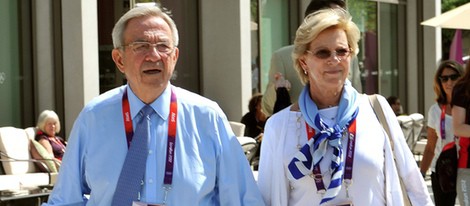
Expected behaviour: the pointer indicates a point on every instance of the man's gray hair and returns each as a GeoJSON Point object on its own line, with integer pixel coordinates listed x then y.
{"type": "Point", "coordinates": [141, 11]}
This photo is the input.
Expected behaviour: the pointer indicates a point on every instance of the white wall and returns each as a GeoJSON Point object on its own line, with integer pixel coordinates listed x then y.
{"type": "Point", "coordinates": [44, 56]}
{"type": "Point", "coordinates": [226, 54]}
{"type": "Point", "coordinates": [80, 56]}
{"type": "Point", "coordinates": [432, 51]}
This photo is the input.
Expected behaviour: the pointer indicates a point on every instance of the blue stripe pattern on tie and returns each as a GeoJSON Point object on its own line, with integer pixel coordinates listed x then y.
{"type": "Point", "coordinates": [133, 170]}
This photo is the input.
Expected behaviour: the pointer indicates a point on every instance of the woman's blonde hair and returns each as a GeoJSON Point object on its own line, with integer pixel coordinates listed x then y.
{"type": "Point", "coordinates": [317, 22]}
{"type": "Point", "coordinates": [45, 116]}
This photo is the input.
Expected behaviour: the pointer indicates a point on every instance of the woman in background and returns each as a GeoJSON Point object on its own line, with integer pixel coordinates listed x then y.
{"type": "Point", "coordinates": [439, 128]}
{"type": "Point", "coordinates": [461, 123]}
{"type": "Point", "coordinates": [395, 103]}
{"type": "Point", "coordinates": [255, 119]}
{"type": "Point", "coordinates": [48, 126]}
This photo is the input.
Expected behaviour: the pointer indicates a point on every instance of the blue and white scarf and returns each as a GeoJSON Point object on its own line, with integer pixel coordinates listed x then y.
{"type": "Point", "coordinates": [312, 153]}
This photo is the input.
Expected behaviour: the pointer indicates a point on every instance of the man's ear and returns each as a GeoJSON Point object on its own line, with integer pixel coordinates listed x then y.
{"type": "Point", "coordinates": [176, 54]}
{"type": "Point", "coordinates": [118, 58]}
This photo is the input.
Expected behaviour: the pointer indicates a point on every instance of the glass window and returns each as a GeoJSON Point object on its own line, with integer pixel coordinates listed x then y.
{"type": "Point", "coordinates": [255, 44]}
{"type": "Point", "coordinates": [10, 71]}
{"type": "Point", "coordinates": [273, 32]}
{"type": "Point", "coordinates": [388, 64]}
{"type": "Point", "coordinates": [378, 56]}
{"type": "Point", "coordinates": [365, 16]}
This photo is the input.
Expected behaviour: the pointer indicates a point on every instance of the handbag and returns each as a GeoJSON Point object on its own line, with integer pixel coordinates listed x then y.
{"type": "Point", "coordinates": [446, 167]}
{"type": "Point", "coordinates": [381, 116]}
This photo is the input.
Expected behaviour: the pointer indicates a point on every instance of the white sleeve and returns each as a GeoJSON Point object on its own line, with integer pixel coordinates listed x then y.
{"type": "Point", "coordinates": [406, 164]}
{"type": "Point", "coordinates": [272, 180]}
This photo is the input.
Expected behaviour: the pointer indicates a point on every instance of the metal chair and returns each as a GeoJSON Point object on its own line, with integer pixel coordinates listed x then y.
{"type": "Point", "coordinates": [419, 144]}
{"type": "Point", "coordinates": [406, 124]}
{"type": "Point", "coordinates": [249, 144]}
{"type": "Point", "coordinates": [238, 128]}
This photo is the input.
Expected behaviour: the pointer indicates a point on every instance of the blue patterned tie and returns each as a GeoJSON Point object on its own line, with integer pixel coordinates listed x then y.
{"type": "Point", "coordinates": [133, 170]}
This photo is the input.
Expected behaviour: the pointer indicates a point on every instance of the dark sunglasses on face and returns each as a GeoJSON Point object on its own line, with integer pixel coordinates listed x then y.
{"type": "Point", "coordinates": [445, 78]}
{"type": "Point", "coordinates": [325, 53]}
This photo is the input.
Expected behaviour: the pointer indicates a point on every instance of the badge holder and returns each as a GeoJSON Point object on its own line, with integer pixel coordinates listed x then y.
{"type": "Point", "coordinates": [166, 189]}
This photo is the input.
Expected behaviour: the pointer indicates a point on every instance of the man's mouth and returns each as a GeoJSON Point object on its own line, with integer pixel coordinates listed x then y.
{"type": "Point", "coordinates": [152, 71]}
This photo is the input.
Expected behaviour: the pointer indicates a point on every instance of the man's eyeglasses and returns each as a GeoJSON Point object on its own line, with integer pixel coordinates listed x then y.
{"type": "Point", "coordinates": [445, 78]}
{"type": "Point", "coordinates": [325, 53]}
{"type": "Point", "coordinates": [145, 47]}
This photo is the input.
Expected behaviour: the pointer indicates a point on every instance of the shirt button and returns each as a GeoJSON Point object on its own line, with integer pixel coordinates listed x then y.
{"type": "Point", "coordinates": [150, 181]}
{"type": "Point", "coordinates": [150, 152]}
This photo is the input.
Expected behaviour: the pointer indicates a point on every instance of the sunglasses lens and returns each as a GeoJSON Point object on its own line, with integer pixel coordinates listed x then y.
{"type": "Point", "coordinates": [323, 54]}
{"type": "Point", "coordinates": [342, 52]}
{"type": "Point", "coordinates": [452, 77]}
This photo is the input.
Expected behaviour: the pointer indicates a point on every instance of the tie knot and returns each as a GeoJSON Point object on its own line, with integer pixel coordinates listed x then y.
{"type": "Point", "coordinates": [146, 110]}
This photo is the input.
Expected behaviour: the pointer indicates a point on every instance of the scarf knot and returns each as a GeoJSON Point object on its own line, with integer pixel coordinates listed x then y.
{"type": "Point", "coordinates": [312, 153]}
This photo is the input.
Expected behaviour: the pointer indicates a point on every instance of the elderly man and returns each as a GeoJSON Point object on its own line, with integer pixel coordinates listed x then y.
{"type": "Point", "coordinates": [149, 142]}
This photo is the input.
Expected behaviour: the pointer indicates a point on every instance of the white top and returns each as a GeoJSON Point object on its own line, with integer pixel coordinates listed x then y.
{"type": "Point", "coordinates": [434, 121]}
{"type": "Point", "coordinates": [286, 129]}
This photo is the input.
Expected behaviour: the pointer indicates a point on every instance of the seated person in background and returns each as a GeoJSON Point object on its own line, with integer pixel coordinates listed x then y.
{"type": "Point", "coordinates": [255, 119]}
{"type": "Point", "coordinates": [395, 104]}
{"type": "Point", "coordinates": [48, 126]}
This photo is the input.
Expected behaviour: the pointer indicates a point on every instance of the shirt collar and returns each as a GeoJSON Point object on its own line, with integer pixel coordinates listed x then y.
{"type": "Point", "coordinates": [161, 105]}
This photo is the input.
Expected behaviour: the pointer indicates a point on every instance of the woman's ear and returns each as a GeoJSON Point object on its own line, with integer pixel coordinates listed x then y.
{"type": "Point", "coordinates": [118, 59]}
{"type": "Point", "coordinates": [303, 64]}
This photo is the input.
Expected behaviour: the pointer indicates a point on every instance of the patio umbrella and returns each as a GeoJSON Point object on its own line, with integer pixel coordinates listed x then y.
{"type": "Point", "coordinates": [457, 18]}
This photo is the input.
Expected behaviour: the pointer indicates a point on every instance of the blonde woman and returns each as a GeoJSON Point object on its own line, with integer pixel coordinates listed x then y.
{"type": "Point", "coordinates": [303, 156]}
{"type": "Point", "coordinates": [48, 126]}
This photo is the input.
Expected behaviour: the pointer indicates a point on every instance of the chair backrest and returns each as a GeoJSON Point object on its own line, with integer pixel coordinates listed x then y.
{"type": "Point", "coordinates": [14, 145]}
{"type": "Point", "coordinates": [406, 124]}
{"type": "Point", "coordinates": [238, 128]}
{"type": "Point", "coordinates": [31, 132]}
{"type": "Point", "coordinates": [418, 125]}
{"type": "Point", "coordinates": [249, 146]}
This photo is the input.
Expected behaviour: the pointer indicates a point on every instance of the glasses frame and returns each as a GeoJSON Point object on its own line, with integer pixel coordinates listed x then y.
{"type": "Point", "coordinates": [149, 46]}
{"type": "Point", "coordinates": [445, 78]}
{"type": "Point", "coordinates": [334, 52]}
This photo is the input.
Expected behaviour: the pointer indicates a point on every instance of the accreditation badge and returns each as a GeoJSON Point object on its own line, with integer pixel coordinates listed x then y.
{"type": "Point", "coordinates": [135, 203]}
{"type": "Point", "coordinates": [342, 203]}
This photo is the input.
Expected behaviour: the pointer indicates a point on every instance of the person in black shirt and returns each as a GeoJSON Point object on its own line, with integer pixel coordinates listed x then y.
{"type": "Point", "coordinates": [255, 119]}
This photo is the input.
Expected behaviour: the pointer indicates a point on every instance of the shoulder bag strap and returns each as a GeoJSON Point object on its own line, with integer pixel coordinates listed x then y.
{"type": "Point", "coordinates": [381, 116]}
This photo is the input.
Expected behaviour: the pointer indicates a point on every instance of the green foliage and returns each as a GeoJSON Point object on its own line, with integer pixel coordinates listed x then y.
{"type": "Point", "coordinates": [254, 10]}
{"type": "Point", "coordinates": [364, 14]}
{"type": "Point", "coordinates": [447, 5]}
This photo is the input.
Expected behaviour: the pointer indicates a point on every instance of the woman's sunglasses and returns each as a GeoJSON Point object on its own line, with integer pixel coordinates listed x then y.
{"type": "Point", "coordinates": [325, 53]}
{"type": "Point", "coordinates": [445, 78]}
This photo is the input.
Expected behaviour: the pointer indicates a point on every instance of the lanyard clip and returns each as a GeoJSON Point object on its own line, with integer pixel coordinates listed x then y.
{"type": "Point", "coordinates": [166, 189]}
{"type": "Point", "coordinates": [347, 183]}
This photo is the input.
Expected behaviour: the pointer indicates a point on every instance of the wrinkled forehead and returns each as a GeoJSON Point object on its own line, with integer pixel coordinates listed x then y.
{"type": "Point", "coordinates": [147, 28]}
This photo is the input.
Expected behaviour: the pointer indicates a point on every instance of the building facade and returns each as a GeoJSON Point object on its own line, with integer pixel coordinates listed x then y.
{"type": "Point", "coordinates": [57, 54]}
